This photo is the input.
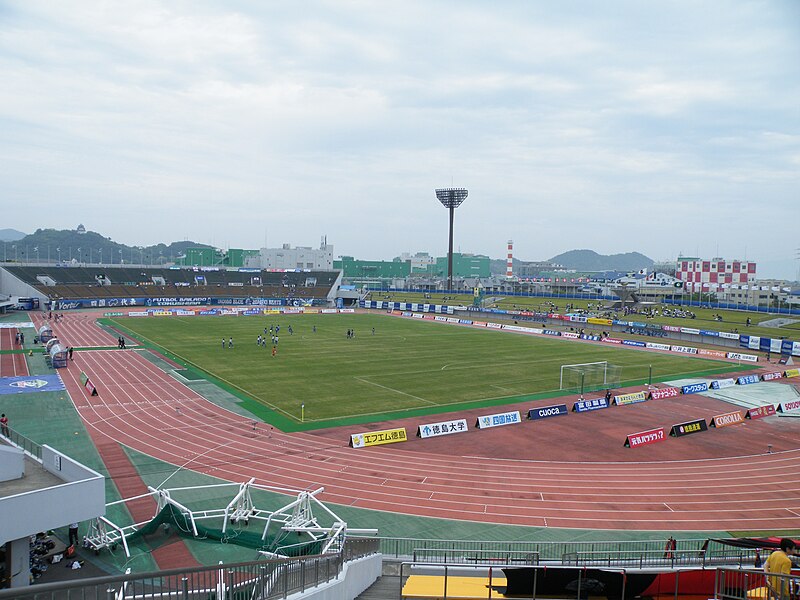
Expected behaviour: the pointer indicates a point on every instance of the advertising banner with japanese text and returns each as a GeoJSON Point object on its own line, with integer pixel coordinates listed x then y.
{"type": "Point", "coordinates": [376, 438]}
{"type": "Point", "coordinates": [643, 438]}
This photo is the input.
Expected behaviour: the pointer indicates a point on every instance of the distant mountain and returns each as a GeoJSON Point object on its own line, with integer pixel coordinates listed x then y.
{"type": "Point", "coordinates": [10, 235]}
{"type": "Point", "coordinates": [90, 246]}
{"type": "Point", "coordinates": [589, 260]}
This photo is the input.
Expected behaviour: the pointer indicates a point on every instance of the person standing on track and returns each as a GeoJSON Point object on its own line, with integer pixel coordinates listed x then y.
{"type": "Point", "coordinates": [70, 352]}
{"type": "Point", "coordinates": [4, 425]}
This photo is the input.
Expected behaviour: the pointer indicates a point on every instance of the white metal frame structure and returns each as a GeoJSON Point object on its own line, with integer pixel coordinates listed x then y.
{"type": "Point", "coordinates": [297, 516]}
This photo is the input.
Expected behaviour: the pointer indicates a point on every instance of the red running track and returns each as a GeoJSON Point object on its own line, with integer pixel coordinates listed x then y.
{"type": "Point", "coordinates": [78, 329]}
{"type": "Point", "coordinates": [142, 407]}
{"type": "Point", "coordinates": [11, 365]}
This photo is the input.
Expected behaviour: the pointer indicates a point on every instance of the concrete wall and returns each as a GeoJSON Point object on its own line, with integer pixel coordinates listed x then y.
{"type": "Point", "coordinates": [12, 463]}
{"type": "Point", "coordinates": [19, 563]}
{"type": "Point", "coordinates": [64, 467]}
{"type": "Point", "coordinates": [12, 286]}
{"type": "Point", "coordinates": [81, 498]}
{"type": "Point", "coordinates": [356, 576]}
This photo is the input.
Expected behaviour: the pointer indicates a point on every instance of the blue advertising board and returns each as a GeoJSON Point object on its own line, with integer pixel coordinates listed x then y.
{"type": "Point", "coordinates": [747, 379]}
{"type": "Point", "coordinates": [694, 388]}
{"type": "Point", "coordinates": [548, 411]}
{"type": "Point", "coordinates": [587, 405]}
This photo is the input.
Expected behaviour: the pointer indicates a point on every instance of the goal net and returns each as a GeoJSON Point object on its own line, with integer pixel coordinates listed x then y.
{"type": "Point", "coordinates": [587, 377]}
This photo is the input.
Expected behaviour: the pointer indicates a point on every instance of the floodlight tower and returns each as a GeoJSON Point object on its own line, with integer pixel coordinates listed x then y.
{"type": "Point", "coordinates": [451, 198]}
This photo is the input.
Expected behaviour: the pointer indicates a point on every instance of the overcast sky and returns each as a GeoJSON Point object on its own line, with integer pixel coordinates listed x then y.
{"type": "Point", "coordinates": [660, 127]}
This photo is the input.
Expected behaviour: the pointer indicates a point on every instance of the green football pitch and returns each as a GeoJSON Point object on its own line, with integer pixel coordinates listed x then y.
{"type": "Point", "coordinates": [406, 367]}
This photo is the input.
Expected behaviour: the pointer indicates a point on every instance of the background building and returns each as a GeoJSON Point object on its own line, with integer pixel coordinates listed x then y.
{"type": "Point", "coordinates": [528, 268]}
{"type": "Point", "coordinates": [695, 272]}
{"type": "Point", "coordinates": [464, 265]}
{"type": "Point", "coordinates": [420, 261]}
{"type": "Point", "coordinates": [300, 257]}
{"type": "Point", "coordinates": [353, 269]}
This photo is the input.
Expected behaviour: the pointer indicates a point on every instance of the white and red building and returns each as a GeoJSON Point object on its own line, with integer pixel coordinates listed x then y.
{"type": "Point", "coordinates": [702, 275]}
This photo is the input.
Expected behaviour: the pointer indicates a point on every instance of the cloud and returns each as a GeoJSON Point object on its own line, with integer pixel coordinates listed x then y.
{"type": "Point", "coordinates": [569, 123]}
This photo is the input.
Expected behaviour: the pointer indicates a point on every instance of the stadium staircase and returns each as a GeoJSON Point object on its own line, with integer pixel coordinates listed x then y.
{"type": "Point", "coordinates": [385, 586]}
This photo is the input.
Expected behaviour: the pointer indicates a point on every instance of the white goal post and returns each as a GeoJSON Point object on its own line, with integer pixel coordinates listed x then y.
{"type": "Point", "coordinates": [589, 376]}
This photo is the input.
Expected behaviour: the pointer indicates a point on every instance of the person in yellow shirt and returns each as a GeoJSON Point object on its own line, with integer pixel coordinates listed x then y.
{"type": "Point", "coordinates": [780, 563]}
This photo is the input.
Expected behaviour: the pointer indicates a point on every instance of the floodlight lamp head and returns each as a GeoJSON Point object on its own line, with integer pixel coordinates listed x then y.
{"type": "Point", "coordinates": [452, 197]}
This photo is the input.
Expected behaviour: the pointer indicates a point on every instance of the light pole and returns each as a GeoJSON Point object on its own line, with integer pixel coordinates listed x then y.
{"type": "Point", "coordinates": [451, 198]}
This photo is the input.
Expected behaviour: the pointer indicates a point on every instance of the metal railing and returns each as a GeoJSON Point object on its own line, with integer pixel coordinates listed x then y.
{"type": "Point", "coordinates": [258, 580]}
{"type": "Point", "coordinates": [550, 551]}
{"type": "Point", "coordinates": [661, 558]}
{"type": "Point", "coordinates": [462, 556]}
{"type": "Point", "coordinates": [744, 584]}
{"type": "Point", "coordinates": [26, 444]}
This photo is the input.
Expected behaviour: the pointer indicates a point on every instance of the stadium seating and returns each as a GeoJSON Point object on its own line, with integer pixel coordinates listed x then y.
{"type": "Point", "coordinates": [138, 282]}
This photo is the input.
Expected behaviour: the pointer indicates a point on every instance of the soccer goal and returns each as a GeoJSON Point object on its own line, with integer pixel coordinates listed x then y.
{"type": "Point", "coordinates": [586, 377]}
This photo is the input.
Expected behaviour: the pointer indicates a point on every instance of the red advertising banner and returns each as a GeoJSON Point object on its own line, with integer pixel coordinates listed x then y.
{"type": "Point", "coordinates": [711, 353]}
{"type": "Point", "coordinates": [761, 412]}
{"type": "Point", "coordinates": [669, 392]}
{"type": "Point", "coordinates": [731, 418]}
{"type": "Point", "coordinates": [642, 438]}
{"type": "Point", "coordinates": [771, 376]}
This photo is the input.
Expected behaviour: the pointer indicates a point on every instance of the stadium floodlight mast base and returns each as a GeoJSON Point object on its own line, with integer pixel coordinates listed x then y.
{"type": "Point", "coordinates": [451, 198]}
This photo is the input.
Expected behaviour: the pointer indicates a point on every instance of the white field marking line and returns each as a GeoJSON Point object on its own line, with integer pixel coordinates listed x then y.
{"type": "Point", "coordinates": [195, 457]}
{"type": "Point", "coordinates": [793, 512]}
{"type": "Point", "coordinates": [150, 367]}
{"type": "Point", "coordinates": [500, 387]}
{"type": "Point", "coordinates": [668, 507]}
{"type": "Point", "coordinates": [362, 380]}
{"type": "Point", "coordinates": [542, 496]}
{"type": "Point", "coordinates": [178, 376]}
{"type": "Point", "coordinates": [443, 405]}
{"type": "Point", "coordinates": [376, 498]}
{"type": "Point", "coordinates": [245, 445]}
{"type": "Point", "coordinates": [152, 441]}
{"type": "Point", "coordinates": [230, 383]}
{"type": "Point", "coordinates": [161, 381]}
